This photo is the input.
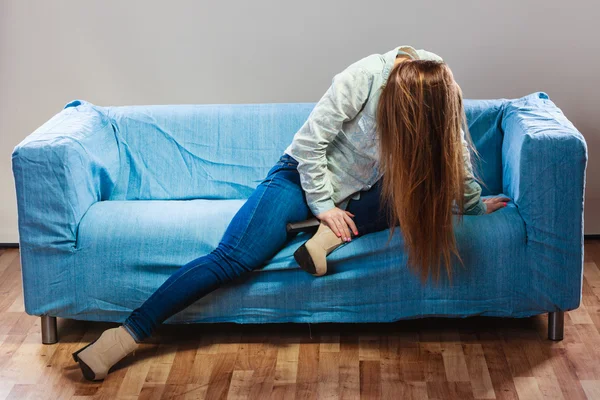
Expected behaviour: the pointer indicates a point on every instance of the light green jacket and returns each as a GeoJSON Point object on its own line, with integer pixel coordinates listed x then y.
{"type": "Point", "coordinates": [337, 147]}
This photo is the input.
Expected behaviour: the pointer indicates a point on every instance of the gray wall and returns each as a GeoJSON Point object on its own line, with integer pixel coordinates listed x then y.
{"type": "Point", "coordinates": [158, 52]}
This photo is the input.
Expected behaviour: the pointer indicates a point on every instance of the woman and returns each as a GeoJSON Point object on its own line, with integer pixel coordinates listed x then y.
{"type": "Point", "coordinates": [403, 117]}
{"type": "Point", "coordinates": [336, 161]}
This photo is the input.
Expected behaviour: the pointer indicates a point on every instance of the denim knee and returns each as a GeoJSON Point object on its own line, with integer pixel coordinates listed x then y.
{"type": "Point", "coordinates": [233, 263]}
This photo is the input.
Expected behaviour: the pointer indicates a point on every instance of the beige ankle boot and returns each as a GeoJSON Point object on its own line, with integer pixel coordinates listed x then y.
{"type": "Point", "coordinates": [98, 357]}
{"type": "Point", "coordinates": [312, 255]}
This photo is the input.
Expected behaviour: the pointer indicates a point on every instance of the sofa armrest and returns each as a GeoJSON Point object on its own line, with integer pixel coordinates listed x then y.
{"type": "Point", "coordinates": [544, 159]}
{"type": "Point", "coordinates": [60, 170]}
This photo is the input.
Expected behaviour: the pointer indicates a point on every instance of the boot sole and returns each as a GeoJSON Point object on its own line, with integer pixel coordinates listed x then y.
{"type": "Point", "coordinates": [305, 261]}
{"type": "Point", "coordinates": [88, 373]}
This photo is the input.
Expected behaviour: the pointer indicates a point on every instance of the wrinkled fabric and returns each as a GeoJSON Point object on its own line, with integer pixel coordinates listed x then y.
{"type": "Point", "coordinates": [112, 200]}
{"type": "Point", "coordinates": [255, 234]}
{"type": "Point", "coordinates": [337, 147]}
{"type": "Point", "coordinates": [544, 167]}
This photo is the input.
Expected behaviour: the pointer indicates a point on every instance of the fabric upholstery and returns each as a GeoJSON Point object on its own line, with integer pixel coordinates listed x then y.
{"type": "Point", "coordinates": [111, 200]}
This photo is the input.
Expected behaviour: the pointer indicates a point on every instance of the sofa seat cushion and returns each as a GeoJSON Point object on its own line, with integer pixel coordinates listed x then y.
{"type": "Point", "coordinates": [141, 243]}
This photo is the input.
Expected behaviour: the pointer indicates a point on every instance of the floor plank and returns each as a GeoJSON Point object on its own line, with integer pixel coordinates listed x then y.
{"type": "Point", "coordinates": [430, 358]}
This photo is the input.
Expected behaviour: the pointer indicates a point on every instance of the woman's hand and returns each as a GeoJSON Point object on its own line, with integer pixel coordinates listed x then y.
{"type": "Point", "coordinates": [495, 203]}
{"type": "Point", "coordinates": [338, 221]}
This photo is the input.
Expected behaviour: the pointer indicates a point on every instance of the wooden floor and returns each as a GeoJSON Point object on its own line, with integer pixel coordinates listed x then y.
{"type": "Point", "coordinates": [433, 358]}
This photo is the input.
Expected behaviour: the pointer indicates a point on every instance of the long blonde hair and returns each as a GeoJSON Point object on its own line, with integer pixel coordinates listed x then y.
{"type": "Point", "coordinates": [419, 119]}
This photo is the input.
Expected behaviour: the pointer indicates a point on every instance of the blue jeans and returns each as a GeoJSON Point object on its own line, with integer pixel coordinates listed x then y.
{"type": "Point", "coordinates": [255, 234]}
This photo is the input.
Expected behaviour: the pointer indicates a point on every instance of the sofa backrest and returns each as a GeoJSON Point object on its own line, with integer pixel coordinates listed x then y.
{"type": "Point", "coordinates": [484, 118]}
{"type": "Point", "coordinates": [223, 151]}
{"type": "Point", "coordinates": [217, 151]}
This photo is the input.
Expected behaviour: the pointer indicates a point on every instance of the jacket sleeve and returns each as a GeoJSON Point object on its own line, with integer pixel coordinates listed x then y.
{"type": "Point", "coordinates": [428, 55]}
{"type": "Point", "coordinates": [343, 100]}
{"type": "Point", "coordinates": [474, 205]}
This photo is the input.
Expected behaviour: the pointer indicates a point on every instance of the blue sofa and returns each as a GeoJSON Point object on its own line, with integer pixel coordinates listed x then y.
{"type": "Point", "coordinates": [112, 200]}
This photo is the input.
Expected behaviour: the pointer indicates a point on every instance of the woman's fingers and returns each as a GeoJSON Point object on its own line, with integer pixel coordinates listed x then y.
{"type": "Point", "coordinates": [345, 229]}
{"type": "Point", "coordinates": [338, 226]}
{"type": "Point", "coordinates": [348, 224]}
{"type": "Point", "coordinates": [498, 199]}
{"type": "Point", "coordinates": [494, 203]}
{"type": "Point", "coordinates": [330, 224]}
{"type": "Point", "coordinates": [333, 226]}
{"type": "Point", "coordinates": [341, 224]}
{"type": "Point", "coordinates": [338, 221]}
{"type": "Point", "coordinates": [352, 225]}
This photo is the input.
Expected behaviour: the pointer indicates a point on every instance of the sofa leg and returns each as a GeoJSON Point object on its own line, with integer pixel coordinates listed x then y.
{"type": "Point", "coordinates": [49, 331]}
{"type": "Point", "coordinates": [556, 324]}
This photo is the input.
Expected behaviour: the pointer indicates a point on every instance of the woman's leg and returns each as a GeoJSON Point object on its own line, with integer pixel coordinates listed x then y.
{"type": "Point", "coordinates": [368, 216]}
{"type": "Point", "coordinates": [255, 234]}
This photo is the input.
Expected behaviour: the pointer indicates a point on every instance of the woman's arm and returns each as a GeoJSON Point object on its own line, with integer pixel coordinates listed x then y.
{"type": "Point", "coordinates": [473, 202]}
{"type": "Point", "coordinates": [343, 100]}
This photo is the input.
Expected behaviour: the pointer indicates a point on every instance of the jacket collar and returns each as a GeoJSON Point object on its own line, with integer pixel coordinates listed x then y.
{"type": "Point", "coordinates": [390, 57]}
